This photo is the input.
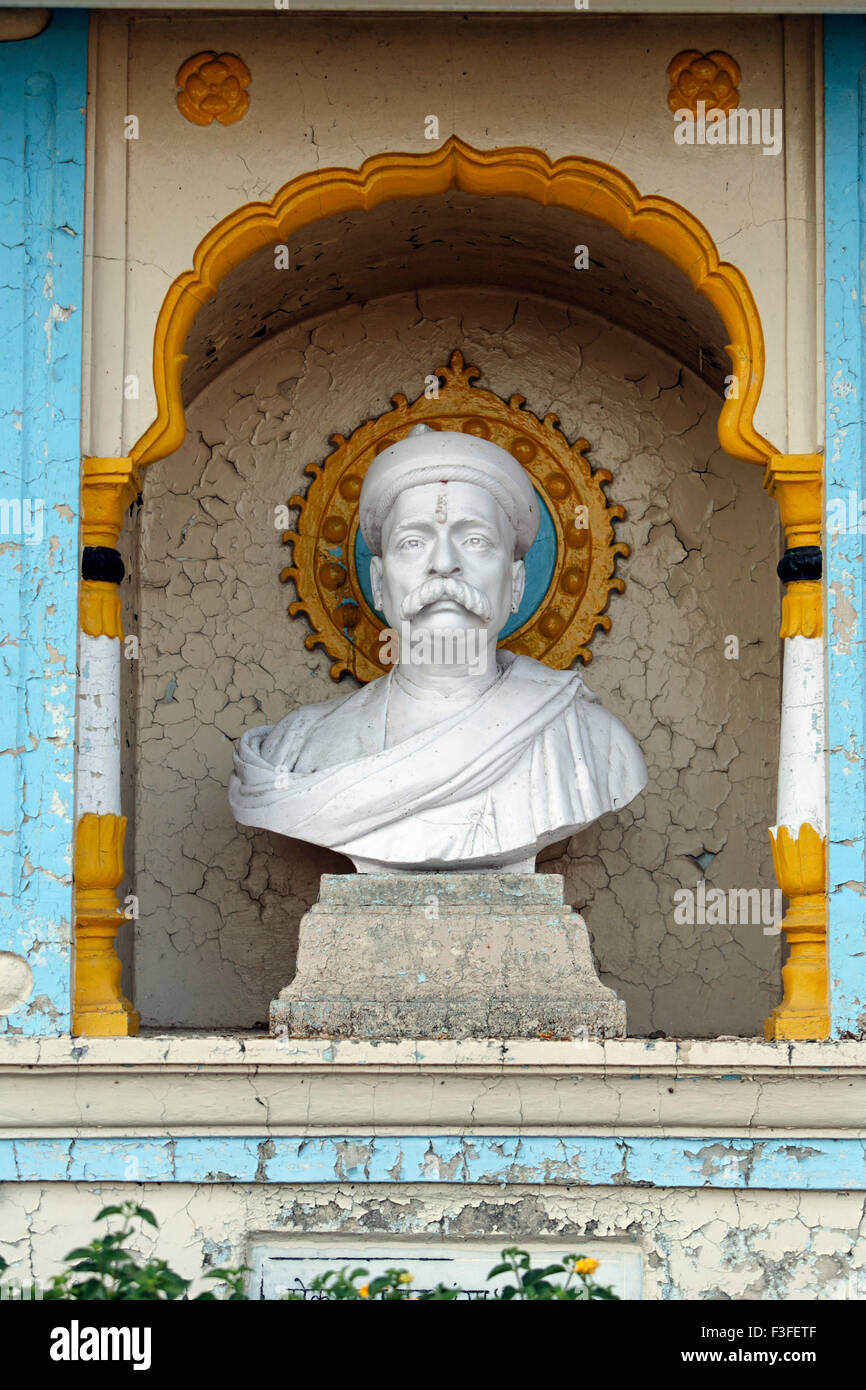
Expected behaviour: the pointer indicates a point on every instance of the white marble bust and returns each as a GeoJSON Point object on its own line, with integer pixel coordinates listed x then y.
{"type": "Point", "coordinates": [462, 756]}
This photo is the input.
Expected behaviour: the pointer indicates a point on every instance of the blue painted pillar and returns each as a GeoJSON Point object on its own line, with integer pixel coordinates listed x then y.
{"type": "Point", "coordinates": [42, 99]}
{"type": "Point", "coordinates": [845, 171]}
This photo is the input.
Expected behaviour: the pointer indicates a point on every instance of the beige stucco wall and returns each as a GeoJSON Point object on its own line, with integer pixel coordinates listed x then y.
{"type": "Point", "coordinates": [220, 905]}
{"type": "Point", "coordinates": [332, 91]}
{"type": "Point", "coordinates": [696, 1243]}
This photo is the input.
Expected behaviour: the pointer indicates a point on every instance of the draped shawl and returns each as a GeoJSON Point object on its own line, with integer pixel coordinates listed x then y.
{"type": "Point", "coordinates": [534, 758]}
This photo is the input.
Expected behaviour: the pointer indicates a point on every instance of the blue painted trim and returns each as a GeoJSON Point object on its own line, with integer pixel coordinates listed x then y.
{"type": "Point", "coordinates": [43, 91]}
{"type": "Point", "coordinates": [821, 1164]}
{"type": "Point", "coordinates": [845, 172]}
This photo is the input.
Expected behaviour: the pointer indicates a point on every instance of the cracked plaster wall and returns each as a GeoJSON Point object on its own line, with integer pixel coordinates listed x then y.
{"type": "Point", "coordinates": [696, 1242]}
{"type": "Point", "coordinates": [220, 905]}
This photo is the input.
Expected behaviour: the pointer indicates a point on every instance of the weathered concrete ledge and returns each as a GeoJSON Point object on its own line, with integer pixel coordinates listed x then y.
{"type": "Point", "coordinates": [247, 1083]}
{"type": "Point", "coordinates": [253, 1048]}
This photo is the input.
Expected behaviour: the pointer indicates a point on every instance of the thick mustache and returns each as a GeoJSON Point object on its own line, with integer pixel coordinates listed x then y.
{"type": "Point", "coordinates": [457, 590]}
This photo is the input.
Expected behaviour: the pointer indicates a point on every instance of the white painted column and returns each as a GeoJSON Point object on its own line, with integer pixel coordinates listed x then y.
{"type": "Point", "coordinates": [802, 791]}
{"type": "Point", "coordinates": [98, 789]}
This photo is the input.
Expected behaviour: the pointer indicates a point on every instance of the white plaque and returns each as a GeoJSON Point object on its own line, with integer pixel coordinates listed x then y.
{"type": "Point", "coordinates": [289, 1267]}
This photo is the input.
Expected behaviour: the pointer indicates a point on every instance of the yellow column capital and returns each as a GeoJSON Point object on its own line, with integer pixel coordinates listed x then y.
{"type": "Point", "coordinates": [796, 482]}
{"type": "Point", "coordinates": [108, 487]}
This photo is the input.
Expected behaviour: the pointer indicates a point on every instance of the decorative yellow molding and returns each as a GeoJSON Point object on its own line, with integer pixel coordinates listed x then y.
{"type": "Point", "coordinates": [584, 185]}
{"type": "Point", "coordinates": [99, 1007]}
{"type": "Point", "coordinates": [324, 572]}
{"type": "Point", "coordinates": [107, 489]}
{"type": "Point", "coordinates": [801, 872]}
{"type": "Point", "coordinates": [803, 609]}
{"type": "Point", "coordinates": [796, 482]}
{"type": "Point", "coordinates": [709, 77]}
{"type": "Point", "coordinates": [212, 88]}
{"type": "Point", "coordinates": [99, 609]}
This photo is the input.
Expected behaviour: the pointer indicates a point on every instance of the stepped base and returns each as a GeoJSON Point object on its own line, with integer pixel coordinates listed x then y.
{"type": "Point", "coordinates": [455, 955]}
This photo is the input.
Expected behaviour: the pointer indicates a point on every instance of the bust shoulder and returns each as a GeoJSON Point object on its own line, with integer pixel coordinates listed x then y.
{"type": "Point", "coordinates": [527, 668]}
{"type": "Point", "coordinates": [296, 726]}
{"type": "Point", "coordinates": [316, 736]}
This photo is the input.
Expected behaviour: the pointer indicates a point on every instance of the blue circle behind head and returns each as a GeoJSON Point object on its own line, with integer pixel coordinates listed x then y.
{"type": "Point", "coordinates": [540, 561]}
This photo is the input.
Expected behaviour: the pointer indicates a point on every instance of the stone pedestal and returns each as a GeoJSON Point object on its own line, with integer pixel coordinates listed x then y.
{"type": "Point", "coordinates": [453, 955]}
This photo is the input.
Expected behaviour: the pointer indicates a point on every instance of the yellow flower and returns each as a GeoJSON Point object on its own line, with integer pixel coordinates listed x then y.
{"type": "Point", "coordinates": [364, 1291]}
{"type": "Point", "coordinates": [586, 1266]}
{"type": "Point", "coordinates": [406, 1278]}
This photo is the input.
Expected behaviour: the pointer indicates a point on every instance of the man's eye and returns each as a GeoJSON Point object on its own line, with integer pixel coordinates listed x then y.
{"type": "Point", "coordinates": [411, 543]}
{"type": "Point", "coordinates": [477, 542]}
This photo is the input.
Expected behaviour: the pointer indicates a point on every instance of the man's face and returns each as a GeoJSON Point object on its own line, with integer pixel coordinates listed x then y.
{"type": "Point", "coordinates": [447, 560]}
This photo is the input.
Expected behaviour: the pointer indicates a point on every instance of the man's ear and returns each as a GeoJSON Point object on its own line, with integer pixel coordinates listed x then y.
{"type": "Point", "coordinates": [376, 579]}
{"type": "Point", "coordinates": [518, 584]}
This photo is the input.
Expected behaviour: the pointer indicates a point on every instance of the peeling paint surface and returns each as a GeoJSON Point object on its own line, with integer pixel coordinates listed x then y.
{"type": "Point", "coordinates": [735, 1167]}
{"type": "Point", "coordinates": [845, 173]}
{"type": "Point", "coordinates": [695, 1242]}
{"type": "Point", "coordinates": [42, 91]}
{"type": "Point", "coordinates": [599, 1160]}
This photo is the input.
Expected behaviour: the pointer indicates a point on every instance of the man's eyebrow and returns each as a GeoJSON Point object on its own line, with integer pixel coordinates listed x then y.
{"type": "Point", "coordinates": [421, 525]}
{"type": "Point", "coordinates": [476, 521]}
{"type": "Point", "coordinates": [411, 526]}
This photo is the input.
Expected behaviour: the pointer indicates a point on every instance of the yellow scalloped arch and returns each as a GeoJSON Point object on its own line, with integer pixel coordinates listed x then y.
{"type": "Point", "coordinates": [584, 185]}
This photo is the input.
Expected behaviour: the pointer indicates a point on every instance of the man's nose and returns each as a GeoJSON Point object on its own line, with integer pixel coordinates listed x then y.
{"type": "Point", "coordinates": [444, 558]}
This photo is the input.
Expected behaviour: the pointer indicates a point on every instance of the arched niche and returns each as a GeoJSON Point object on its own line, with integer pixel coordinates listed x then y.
{"type": "Point", "coordinates": [508, 221]}
{"type": "Point", "coordinates": [593, 194]}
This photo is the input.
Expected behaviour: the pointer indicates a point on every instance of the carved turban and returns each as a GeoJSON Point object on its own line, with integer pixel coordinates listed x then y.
{"type": "Point", "coordinates": [447, 456]}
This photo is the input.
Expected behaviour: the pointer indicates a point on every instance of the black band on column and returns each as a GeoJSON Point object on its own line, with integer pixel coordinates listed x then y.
{"type": "Point", "coordinates": [800, 562]}
{"type": "Point", "coordinates": [102, 563]}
